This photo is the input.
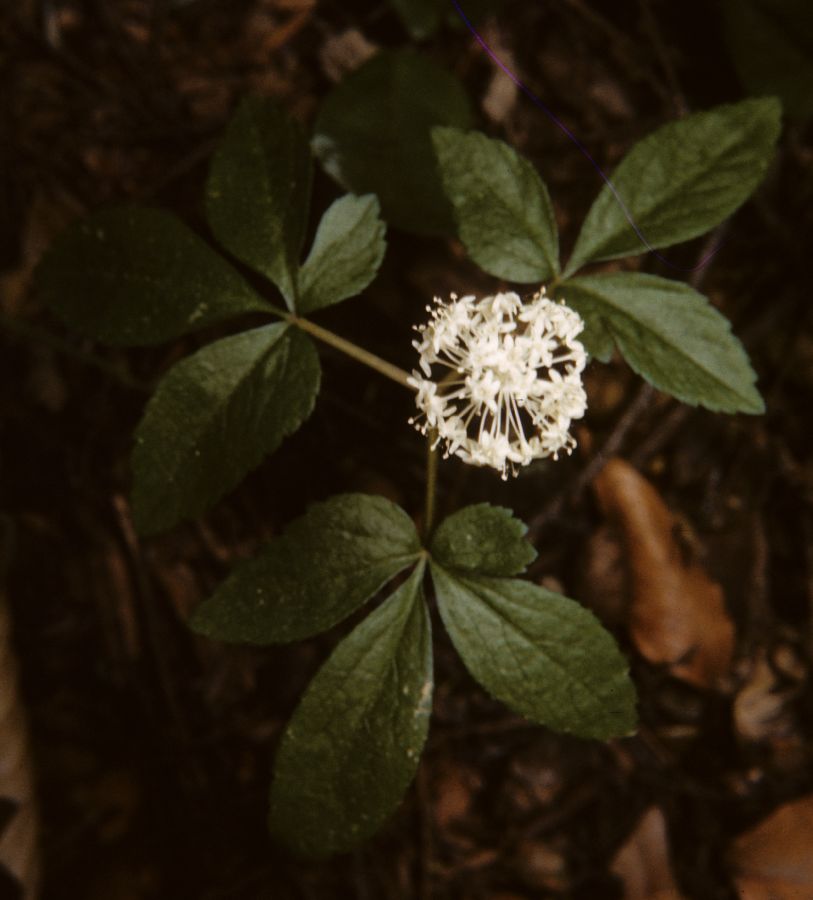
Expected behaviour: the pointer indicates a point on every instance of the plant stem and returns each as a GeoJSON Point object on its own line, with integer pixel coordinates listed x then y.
{"type": "Point", "coordinates": [358, 353]}
{"type": "Point", "coordinates": [431, 483]}
{"type": "Point", "coordinates": [390, 371]}
{"type": "Point", "coordinates": [348, 347]}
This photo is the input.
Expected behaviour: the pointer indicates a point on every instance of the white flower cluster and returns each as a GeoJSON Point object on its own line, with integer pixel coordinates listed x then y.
{"type": "Point", "coordinates": [513, 383]}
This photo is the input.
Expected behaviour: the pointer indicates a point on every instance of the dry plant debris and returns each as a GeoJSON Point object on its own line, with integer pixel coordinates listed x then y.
{"type": "Point", "coordinates": [151, 748]}
{"type": "Point", "coordinates": [774, 860]}
{"type": "Point", "coordinates": [643, 863]}
{"type": "Point", "coordinates": [677, 615]}
{"type": "Point", "coordinates": [19, 854]}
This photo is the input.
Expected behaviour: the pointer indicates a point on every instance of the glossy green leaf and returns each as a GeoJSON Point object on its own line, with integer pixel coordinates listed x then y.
{"type": "Point", "coordinates": [540, 653]}
{"type": "Point", "coordinates": [485, 539]}
{"type": "Point", "coordinates": [502, 208]}
{"type": "Point", "coordinates": [346, 253]}
{"type": "Point", "coordinates": [681, 180]}
{"type": "Point", "coordinates": [671, 336]}
{"type": "Point", "coordinates": [596, 338]}
{"type": "Point", "coordinates": [373, 136]}
{"type": "Point", "coordinates": [326, 565]}
{"type": "Point", "coordinates": [134, 276]}
{"type": "Point", "coordinates": [258, 192]}
{"type": "Point", "coordinates": [353, 744]}
{"type": "Point", "coordinates": [771, 43]}
{"type": "Point", "coordinates": [215, 416]}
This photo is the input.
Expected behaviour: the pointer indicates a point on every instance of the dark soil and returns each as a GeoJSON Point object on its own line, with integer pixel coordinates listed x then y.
{"type": "Point", "coordinates": [152, 747]}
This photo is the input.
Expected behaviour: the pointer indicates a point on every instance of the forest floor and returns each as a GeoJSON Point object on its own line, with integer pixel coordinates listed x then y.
{"type": "Point", "coordinates": [151, 747]}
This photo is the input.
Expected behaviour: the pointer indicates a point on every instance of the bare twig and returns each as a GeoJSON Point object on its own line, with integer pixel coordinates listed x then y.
{"type": "Point", "coordinates": [660, 436]}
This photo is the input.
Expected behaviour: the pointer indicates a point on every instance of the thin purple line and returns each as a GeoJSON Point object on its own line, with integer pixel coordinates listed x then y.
{"type": "Point", "coordinates": [585, 152]}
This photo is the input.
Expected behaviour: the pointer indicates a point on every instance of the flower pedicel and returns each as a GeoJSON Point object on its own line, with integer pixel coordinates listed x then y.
{"type": "Point", "coordinates": [512, 384]}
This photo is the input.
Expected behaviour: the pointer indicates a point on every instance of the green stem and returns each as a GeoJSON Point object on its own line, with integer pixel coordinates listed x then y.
{"type": "Point", "coordinates": [348, 347]}
{"type": "Point", "coordinates": [390, 371]}
{"type": "Point", "coordinates": [431, 483]}
{"type": "Point", "coordinates": [358, 353]}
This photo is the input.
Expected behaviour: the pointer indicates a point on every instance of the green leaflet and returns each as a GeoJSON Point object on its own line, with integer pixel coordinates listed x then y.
{"type": "Point", "coordinates": [258, 192]}
{"type": "Point", "coordinates": [353, 744]}
{"type": "Point", "coordinates": [596, 337]}
{"type": "Point", "coordinates": [541, 654]}
{"type": "Point", "coordinates": [484, 539]}
{"type": "Point", "coordinates": [372, 135]}
{"type": "Point", "coordinates": [326, 564]}
{"type": "Point", "coordinates": [215, 416]}
{"type": "Point", "coordinates": [346, 253]}
{"type": "Point", "coordinates": [133, 276]}
{"type": "Point", "coordinates": [771, 43]}
{"type": "Point", "coordinates": [681, 180]}
{"type": "Point", "coordinates": [502, 208]}
{"type": "Point", "coordinates": [671, 336]}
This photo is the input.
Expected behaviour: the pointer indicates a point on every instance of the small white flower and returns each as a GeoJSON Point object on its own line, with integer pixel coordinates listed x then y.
{"type": "Point", "coordinates": [512, 383]}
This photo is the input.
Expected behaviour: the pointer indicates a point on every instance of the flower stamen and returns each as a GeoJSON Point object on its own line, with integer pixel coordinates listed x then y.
{"type": "Point", "coordinates": [513, 378]}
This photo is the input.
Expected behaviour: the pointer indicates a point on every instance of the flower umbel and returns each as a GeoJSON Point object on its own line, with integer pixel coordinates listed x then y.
{"type": "Point", "coordinates": [512, 383]}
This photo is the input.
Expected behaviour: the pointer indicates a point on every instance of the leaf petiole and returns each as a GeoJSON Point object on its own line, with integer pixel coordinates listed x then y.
{"type": "Point", "coordinates": [347, 347]}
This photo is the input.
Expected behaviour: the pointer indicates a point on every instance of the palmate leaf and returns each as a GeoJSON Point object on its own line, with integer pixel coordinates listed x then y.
{"type": "Point", "coordinates": [670, 335]}
{"type": "Point", "coordinates": [215, 416]}
{"type": "Point", "coordinates": [681, 180]}
{"type": "Point", "coordinates": [326, 565]}
{"type": "Point", "coordinates": [484, 539]}
{"type": "Point", "coordinates": [503, 212]}
{"type": "Point", "coordinates": [353, 744]}
{"type": "Point", "coordinates": [372, 135]}
{"type": "Point", "coordinates": [540, 653]}
{"type": "Point", "coordinates": [258, 192]}
{"type": "Point", "coordinates": [133, 277]}
{"type": "Point", "coordinates": [346, 253]}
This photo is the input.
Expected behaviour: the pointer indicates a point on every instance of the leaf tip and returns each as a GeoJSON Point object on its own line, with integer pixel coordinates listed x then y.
{"type": "Point", "coordinates": [199, 620]}
{"type": "Point", "coordinates": [754, 404]}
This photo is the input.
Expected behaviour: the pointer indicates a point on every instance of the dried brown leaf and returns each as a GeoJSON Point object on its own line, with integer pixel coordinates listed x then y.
{"type": "Point", "coordinates": [501, 95]}
{"type": "Point", "coordinates": [677, 613]}
{"type": "Point", "coordinates": [344, 53]}
{"type": "Point", "coordinates": [541, 865]}
{"type": "Point", "coordinates": [643, 864]}
{"type": "Point", "coordinates": [774, 860]}
{"type": "Point", "coordinates": [453, 794]}
{"type": "Point", "coordinates": [18, 842]}
{"type": "Point", "coordinates": [761, 710]}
